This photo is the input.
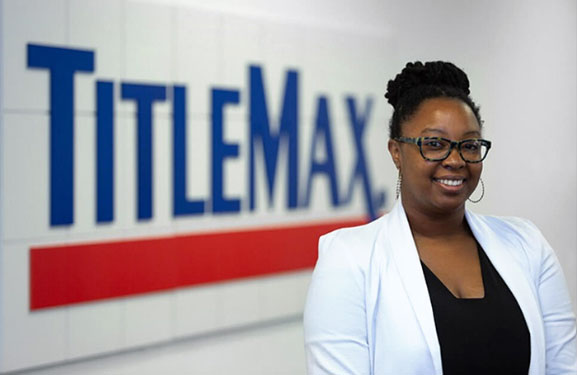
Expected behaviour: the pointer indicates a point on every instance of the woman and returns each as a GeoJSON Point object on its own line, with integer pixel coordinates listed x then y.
{"type": "Point", "coordinates": [432, 288]}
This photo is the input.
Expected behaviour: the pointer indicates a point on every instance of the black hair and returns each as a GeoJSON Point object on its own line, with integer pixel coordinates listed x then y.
{"type": "Point", "coordinates": [418, 82]}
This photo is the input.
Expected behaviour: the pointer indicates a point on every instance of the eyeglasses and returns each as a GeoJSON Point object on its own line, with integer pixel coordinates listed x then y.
{"type": "Point", "coordinates": [437, 148]}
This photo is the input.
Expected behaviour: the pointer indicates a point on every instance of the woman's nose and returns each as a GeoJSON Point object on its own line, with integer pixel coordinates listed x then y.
{"type": "Point", "coordinates": [454, 160]}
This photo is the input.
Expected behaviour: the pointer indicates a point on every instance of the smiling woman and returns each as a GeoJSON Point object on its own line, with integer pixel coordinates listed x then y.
{"type": "Point", "coordinates": [431, 287]}
{"type": "Point", "coordinates": [430, 184]}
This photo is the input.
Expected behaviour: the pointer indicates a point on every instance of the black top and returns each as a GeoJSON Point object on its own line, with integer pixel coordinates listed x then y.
{"type": "Point", "coordinates": [486, 335]}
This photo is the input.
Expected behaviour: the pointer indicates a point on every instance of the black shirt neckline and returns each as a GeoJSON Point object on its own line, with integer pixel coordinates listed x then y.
{"type": "Point", "coordinates": [480, 336]}
{"type": "Point", "coordinates": [435, 279]}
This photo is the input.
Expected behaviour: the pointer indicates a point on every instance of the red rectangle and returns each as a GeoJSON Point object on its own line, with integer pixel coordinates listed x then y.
{"type": "Point", "coordinates": [69, 274]}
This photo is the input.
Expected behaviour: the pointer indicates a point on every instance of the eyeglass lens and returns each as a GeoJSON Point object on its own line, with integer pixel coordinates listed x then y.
{"type": "Point", "coordinates": [439, 149]}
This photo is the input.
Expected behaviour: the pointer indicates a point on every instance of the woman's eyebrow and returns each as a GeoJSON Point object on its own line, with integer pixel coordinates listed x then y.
{"type": "Point", "coordinates": [435, 130]}
{"type": "Point", "coordinates": [473, 132]}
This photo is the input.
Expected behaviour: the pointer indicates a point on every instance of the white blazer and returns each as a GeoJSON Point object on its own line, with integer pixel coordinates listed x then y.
{"type": "Point", "coordinates": [368, 309]}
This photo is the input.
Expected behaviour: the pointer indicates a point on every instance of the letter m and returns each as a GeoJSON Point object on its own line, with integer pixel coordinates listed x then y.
{"type": "Point", "coordinates": [270, 141]}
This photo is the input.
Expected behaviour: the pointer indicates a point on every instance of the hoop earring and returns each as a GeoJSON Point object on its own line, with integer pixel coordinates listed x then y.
{"type": "Point", "coordinates": [482, 193]}
{"type": "Point", "coordinates": [399, 181]}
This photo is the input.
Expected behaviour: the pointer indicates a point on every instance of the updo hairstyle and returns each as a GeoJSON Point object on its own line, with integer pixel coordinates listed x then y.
{"type": "Point", "coordinates": [418, 82]}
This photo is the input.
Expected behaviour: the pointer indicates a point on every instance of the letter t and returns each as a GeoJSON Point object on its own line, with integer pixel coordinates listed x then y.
{"type": "Point", "coordinates": [62, 64]}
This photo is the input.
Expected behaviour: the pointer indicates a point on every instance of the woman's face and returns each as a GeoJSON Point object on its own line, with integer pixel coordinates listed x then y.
{"type": "Point", "coordinates": [437, 187]}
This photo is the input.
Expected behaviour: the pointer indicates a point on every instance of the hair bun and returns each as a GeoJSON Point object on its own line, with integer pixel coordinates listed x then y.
{"type": "Point", "coordinates": [432, 73]}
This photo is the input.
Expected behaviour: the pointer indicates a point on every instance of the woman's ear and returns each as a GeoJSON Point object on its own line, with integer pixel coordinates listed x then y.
{"type": "Point", "coordinates": [395, 151]}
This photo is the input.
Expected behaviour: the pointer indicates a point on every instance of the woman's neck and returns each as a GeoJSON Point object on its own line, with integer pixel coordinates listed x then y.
{"type": "Point", "coordinates": [436, 225]}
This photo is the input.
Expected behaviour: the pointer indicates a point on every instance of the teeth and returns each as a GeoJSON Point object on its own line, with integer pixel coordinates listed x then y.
{"type": "Point", "coordinates": [451, 182]}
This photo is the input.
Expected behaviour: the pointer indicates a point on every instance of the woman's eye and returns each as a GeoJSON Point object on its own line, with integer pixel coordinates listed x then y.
{"type": "Point", "coordinates": [471, 146]}
{"type": "Point", "coordinates": [433, 144]}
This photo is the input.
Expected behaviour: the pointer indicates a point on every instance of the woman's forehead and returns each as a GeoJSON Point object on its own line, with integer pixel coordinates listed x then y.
{"type": "Point", "coordinates": [440, 132]}
{"type": "Point", "coordinates": [443, 116]}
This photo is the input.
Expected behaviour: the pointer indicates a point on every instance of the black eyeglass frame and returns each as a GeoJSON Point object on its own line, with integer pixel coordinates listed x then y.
{"type": "Point", "coordinates": [452, 144]}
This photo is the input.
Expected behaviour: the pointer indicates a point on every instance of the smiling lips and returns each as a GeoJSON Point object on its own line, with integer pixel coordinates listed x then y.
{"type": "Point", "coordinates": [450, 182]}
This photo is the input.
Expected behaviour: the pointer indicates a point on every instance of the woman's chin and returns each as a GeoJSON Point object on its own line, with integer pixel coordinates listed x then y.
{"type": "Point", "coordinates": [450, 204]}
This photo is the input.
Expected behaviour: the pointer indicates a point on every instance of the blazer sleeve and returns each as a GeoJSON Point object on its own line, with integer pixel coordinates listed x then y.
{"type": "Point", "coordinates": [335, 326]}
{"type": "Point", "coordinates": [557, 311]}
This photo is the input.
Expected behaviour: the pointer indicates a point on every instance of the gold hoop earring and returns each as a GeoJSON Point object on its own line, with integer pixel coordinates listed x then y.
{"type": "Point", "coordinates": [482, 193]}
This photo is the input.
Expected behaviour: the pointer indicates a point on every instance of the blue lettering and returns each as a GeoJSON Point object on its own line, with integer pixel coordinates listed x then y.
{"type": "Point", "coordinates": [104, 151]}
{"type": "Point", "coordinates": [260, 131]}
{"type": "Point", "coordinates": [322, 133]}
{"type": "Point", "coordinates": [62, 64]}
{"type": "Point", "coordinates": [144, 95]}
{"type": "Point", "coordinates": [358, 124]}
{"type": "Point", "coordinates": [266, 139]}
{"type": "Point", "coordinates": [180, 204]}
{"type": "Point", "coordinates": [221, 150]}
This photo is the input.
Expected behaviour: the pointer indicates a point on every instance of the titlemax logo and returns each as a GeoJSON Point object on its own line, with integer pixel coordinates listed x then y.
{"type": "Point", "coordinates": [62, 64]}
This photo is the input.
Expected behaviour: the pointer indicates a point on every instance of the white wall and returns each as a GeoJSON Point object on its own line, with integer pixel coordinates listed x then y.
{"type": "Point", "coordinates": [200, 48]}
{"type": "Point", "coordinates": [521, 60]}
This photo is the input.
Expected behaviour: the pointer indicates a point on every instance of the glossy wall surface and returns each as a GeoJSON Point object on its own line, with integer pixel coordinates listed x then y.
{"type": "Point", "coordinates": [285, 134]}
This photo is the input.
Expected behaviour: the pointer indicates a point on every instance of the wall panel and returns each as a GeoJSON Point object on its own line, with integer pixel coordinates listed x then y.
{"type": "Point", "coordinates": [520, 57]}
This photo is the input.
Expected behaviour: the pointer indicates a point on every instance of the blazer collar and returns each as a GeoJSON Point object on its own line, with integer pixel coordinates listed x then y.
{"type": "Point", "coordinates": [496, 245]}
{"type": "Point", "coordinates": [500, 249]}
{"type": "Point", "coordinates": [400, 241]}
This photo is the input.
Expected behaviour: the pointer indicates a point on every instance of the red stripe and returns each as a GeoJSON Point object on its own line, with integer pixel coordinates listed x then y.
{"type": "Point", "coordinates": [69, 274]}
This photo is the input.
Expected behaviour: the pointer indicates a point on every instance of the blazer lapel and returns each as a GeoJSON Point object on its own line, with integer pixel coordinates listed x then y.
{"type": "Point", "coordinates": [400, 241]}
{"type": "Point", "coordinates": [499, 251]}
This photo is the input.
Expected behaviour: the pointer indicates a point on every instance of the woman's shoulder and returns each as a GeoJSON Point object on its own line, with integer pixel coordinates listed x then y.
{"type": "Point", "coordinates": [355, 234]}
{"type": "Point", "coordinates": [510, 225]}
{"type": "Point", "coordinates": [519, 232]}
{"type": "Point", "coordinates": [350, 246]}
